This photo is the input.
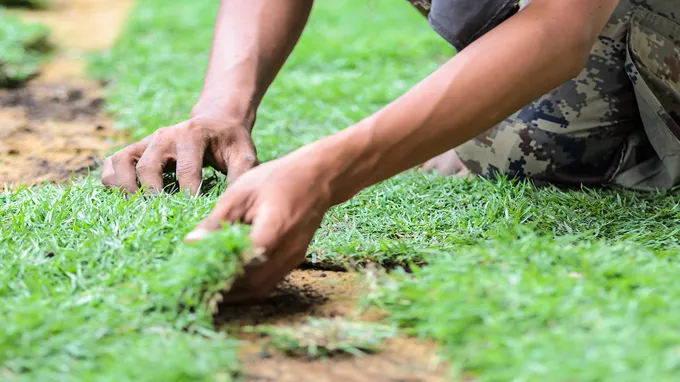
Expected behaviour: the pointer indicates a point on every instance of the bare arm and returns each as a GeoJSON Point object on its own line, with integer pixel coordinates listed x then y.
{"type": "Point", "coordinates": [532, 53]}
{"type": "Point", "coordinates": [252, 41]}
{"type": "Point", "coordinates": [285, 200]}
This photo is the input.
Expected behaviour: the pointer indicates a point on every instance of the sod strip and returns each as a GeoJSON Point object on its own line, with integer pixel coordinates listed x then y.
{"type": "Point", "coordinates": [531, 308]}
{"type": "Point", "coordinates": [97, 287]}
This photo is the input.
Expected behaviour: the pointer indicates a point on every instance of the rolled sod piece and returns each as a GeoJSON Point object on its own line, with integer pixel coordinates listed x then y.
{"type": "Point", "coordinates": [23, 48]}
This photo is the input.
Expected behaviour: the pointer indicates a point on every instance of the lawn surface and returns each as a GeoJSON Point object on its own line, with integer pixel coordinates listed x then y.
{"type": "Point", "coordinates": [22, 49]}
{"type": "Point", "coordinates": [98, 287]}
{"type": "Point", "coordinates": [521, 283]}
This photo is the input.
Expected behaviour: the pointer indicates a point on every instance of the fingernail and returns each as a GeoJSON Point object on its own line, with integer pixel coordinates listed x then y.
{"type": "Point", "coordinates": [197, 234]}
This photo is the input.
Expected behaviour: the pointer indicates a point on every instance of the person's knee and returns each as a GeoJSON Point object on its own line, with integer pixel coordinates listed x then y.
{"type": "Point", "coordinates": [519, 151]}
{"type": "Point", "coordinates": [505, 151]}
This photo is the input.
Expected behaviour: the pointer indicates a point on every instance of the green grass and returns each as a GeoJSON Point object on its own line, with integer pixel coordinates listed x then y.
{"type": "Point", "coordinates": [530, 308]}
{"type": "Point", "coordinates": [23, 48]}
{"type": "Point", "coordinates": [323, 338]}
{"type": "Point", "coordinates": [404, 218]}
{"type": "Point", "coordinates": [98, 287]}
{"type": "Point", "coordinates": [521, 283]}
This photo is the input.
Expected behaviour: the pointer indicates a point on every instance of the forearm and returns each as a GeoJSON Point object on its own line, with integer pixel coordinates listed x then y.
{"type": "Point", "coordinates": [252, 40]}
{"type": "Point", "coordinates": [505, 70]}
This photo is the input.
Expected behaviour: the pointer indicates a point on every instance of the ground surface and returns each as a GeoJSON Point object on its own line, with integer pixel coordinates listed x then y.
{"type": "Point", "coordinates": [54, 127]}
{"type": "Point", "coordinates": [511, 281]}
{"type": "Point", "coordinates": [326, 294]}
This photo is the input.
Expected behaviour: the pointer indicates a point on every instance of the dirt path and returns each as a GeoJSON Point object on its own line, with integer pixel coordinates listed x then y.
{"type": "Point", "coordinates": [55, 126]}
{"type": "Point", "coordinates": [326, 294]}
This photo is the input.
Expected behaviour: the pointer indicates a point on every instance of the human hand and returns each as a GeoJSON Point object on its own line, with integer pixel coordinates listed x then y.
{"type": "Point", "coordinates": [447, 164]}
{"type": "Point", "coordinates": [185, 149]}
{"type": "Point", "coordinates": [284, 201]}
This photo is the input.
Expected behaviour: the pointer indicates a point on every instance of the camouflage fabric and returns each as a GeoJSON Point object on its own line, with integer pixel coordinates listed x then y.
{"type": "Point", "coordinates": [423, 6]}
{"type": "Point", "coordinates": [651, 159]}
{"type": "Point", "coordinates": [616, 124]}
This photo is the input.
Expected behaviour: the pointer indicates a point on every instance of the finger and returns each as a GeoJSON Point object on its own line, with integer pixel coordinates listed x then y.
{"type": "Point", "coordinates": [464, 173]}
{"type": "Point", "coordinates": [280, 258]}
{"type": "Point", "coordinates": [427, 166]}
{"type": "Point", "coordinates": [123, 164]}
{"type": "Point", "coordinates": [229, 209]}
{"type": "Point", "coordinates": [446, 169]}
{"type": "Point", "coordinates": [259, 280]}
{"type": "Point", "coordinates": [189, 165]}
{"type": "Point", "coordinates": [108, 175]}
{"type": "Point", "coordinates": [150, 166]}
{"type": "Point", "coordinates": [239, 163]}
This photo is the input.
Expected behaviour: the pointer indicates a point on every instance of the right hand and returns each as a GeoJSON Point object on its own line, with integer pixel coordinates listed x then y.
{"type": "Point", "coordinates": [185, 149]}
{"type": "Point", "coordinates": [284, 201]}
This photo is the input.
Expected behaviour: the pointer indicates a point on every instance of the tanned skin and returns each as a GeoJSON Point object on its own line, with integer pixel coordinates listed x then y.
{"type": "Point", "coordinates": [285, 200]}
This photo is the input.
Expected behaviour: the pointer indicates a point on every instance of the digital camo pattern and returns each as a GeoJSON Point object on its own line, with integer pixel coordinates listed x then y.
{"type": "Point", "coordinates": [573, 135]}
{"type": "Point", "coordinates": [615, 124]}
{"type": "Point", "coordinates": [423, 6]}
{"type": "Point", "coordinates": [653, 66]}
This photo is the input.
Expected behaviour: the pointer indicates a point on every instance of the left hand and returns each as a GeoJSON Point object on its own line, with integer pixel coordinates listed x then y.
{"type": "Point", "coordinates": [447, 164]}
{"type": "Point", "coordinates": [221, 142]}
{"type": "Point", "coordinates": [284, 202]}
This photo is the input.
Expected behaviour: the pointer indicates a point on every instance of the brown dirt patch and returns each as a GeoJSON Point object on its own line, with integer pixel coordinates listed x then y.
{"type": "Point", "coordinates": [325, 294]}
{"type": "Point", "coordinates": [402, 360]}
{"type": "Point", "coordinates": [48, 132]}
{"type": "Point", "coordinates": [55, 127]}
{"type": "Point", "coordinates": [304, 293]}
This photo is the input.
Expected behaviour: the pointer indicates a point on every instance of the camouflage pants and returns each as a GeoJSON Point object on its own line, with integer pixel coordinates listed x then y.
{"type": "Point", "coordinates": [615, 124]}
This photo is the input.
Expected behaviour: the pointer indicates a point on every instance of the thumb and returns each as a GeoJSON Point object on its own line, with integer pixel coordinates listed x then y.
{"type": "Point", "coordinates": [241, 161]}
{"type": "Point", "coordinates": [228, 209]}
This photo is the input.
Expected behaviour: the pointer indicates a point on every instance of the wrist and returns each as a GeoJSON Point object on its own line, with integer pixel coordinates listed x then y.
{"type": "Point", "coordinates": [233, 111]}
{"type": "Point", "coordinates": [342, 164]}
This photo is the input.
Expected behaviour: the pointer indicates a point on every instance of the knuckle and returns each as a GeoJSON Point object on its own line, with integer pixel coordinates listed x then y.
{"type": "Point", "coordinates": [183, 145]}
{"type": "Point", "coordinates": [118, 157]}
{"type": "Point", "coordinates": [160, 132]}
{"type": "Point", "coordinates": [249, 158]}
{"type": "Point", "coordinates": [161, 137]}
{"type": "Point", "coordinates": [188, 147]}
{"type": "Point", "coordinates": [144, 165]}
{"type": "Point", "coordinates": [196, 125]}
{"type": "Point", "coordinates": [156, 142]}
{"type": "Point", "coordinates": [186, 167]}
{"type": "Point", "coordinates": [108, 180]}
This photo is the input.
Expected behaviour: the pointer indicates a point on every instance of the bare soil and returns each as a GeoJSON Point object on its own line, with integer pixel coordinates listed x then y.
{"type": "Point", "coordinates": [51, 131]}
{"type": "Point", "coordinates": [55, 127]}
{"type": "Point", "coordinates": [325, 294]}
